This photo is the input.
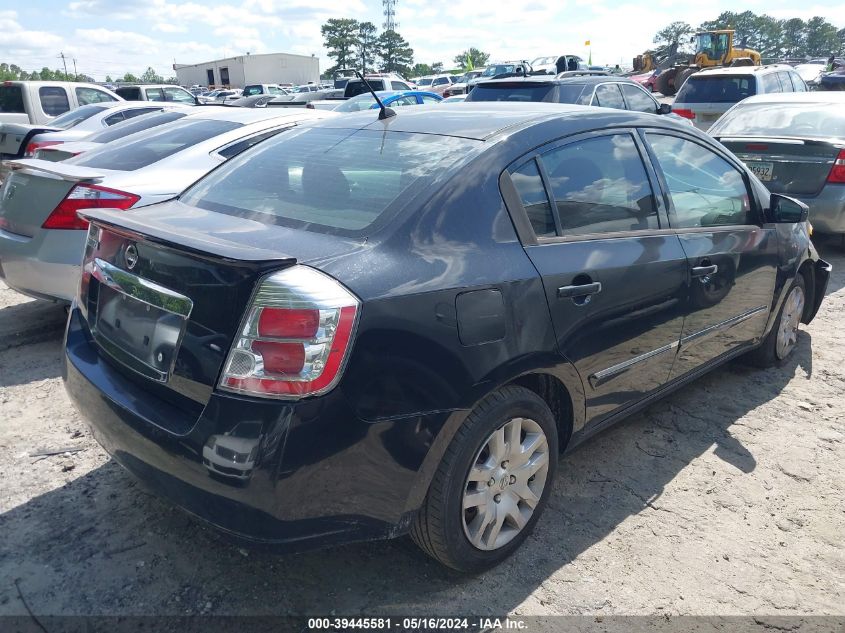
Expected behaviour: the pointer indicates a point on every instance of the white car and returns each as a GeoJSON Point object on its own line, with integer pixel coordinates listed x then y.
{"type": "Point", "coordinates": [89, 119]}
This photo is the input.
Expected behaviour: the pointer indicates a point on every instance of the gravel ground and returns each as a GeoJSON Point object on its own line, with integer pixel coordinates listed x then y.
{"type": "Point", "coordinates": [725, 498]}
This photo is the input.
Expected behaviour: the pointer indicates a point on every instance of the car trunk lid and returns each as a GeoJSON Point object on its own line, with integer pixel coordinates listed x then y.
{"type": "Point", "coordinates": [787, 165]}
{"type": "Point", "coordinates": [34, 188]}
{"type": "Point", "coordinates": [164, 299]}
{"type": "Point", "coordinates": [14, 137]}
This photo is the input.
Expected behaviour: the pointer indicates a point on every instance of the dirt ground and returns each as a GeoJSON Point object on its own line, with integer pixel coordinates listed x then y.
{"type": "Point", "coordinates": [725, 498]}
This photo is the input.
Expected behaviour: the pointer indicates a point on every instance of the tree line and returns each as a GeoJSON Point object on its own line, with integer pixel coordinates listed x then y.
{"type": "Point", "coordinates": [358, 45]}
{"type": "Point", "coordinates": [771, 37]}
{"type": "Point", "coordinates": [13, 72]}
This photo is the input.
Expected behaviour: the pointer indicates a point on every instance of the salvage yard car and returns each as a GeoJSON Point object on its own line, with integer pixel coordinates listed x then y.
{"type": "Point", "coordinates": [421, 311]}
{"type": "Point", "coordinates": [41, 233]}
{"type": "Point", "coordinates": [40, 101]}
{"type": "Point", "coordinates": [794, 143]}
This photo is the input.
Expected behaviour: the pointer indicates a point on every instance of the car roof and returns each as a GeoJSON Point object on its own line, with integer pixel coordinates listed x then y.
{"type": "Point", "coordinates": [240, 115]}
{"type": "Point", "coordinates": [551, 79]}
{"type": "Point", "coordinates": [148, 86]}
{"type": "Point", "coordinates": [741, 70]}
{"type": "Point", "coordinates": [480, 120]}
{"type": "Point", "coordinates": [816, 96]}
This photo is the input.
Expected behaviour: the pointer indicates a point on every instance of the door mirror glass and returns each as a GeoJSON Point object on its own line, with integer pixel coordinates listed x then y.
{"type": "Point", "coordinates": [664, 108]}
{"type": "Point", "coordinates": [788, 210]}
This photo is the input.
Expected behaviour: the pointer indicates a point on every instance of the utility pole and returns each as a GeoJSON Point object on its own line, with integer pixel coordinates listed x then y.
{"type": "Point", "coordinates": [64, 63]}
{"type": "Point", "coordinates": [75, 74]}
{"type": "Point", "coordinates": [390, 23]}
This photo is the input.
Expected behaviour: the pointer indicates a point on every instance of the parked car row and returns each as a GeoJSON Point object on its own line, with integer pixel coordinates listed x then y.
{"type": "Point", "coordinates": [413, 310]}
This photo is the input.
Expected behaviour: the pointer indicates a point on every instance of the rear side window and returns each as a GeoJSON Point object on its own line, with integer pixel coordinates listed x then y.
{"type": "Point", "coordinates": [798, 84]}
{"type": "Point", "coordinates": [117, 117]}
{"type": "Point", "coordinates": [156, 145]}
{"type": "Point", "coordinates": [125, 129]}
{"type": "Point", "coordinates": [637, 99]}
{"type": "Point", "coordinates": [608, 96]}
{"type": "Point", "coordinates": [600, 186]}
{"type": "Point", "coordinates": [76, 116]}
{"type": "Point", "coordinates": [11, 99]}
{"type": "Point", "coordinates": [706, 190]}
{"type": "Point", "coordinates": [53, 100]}
{"type": "Point", "coordinates": [573, 93]}
{"type": "Point", "coordinates": [236, 148]}
{"type": "Point", "coordinates": [130, 93]}
{"type": "Point", "coordinates": [85, 95]}
{"type": "Point", "coordinates": [529, 185]}
{"type": "Point", "coordinates": [522, 91]}
{"type": "Point", "coordinates": [771, 83]}
{"type": "Point", "coordinates": [327, 180]}
{"type": "Point", "coordinates": [154, 94]}
{"type": "Point", "coordinates": [721, 89]}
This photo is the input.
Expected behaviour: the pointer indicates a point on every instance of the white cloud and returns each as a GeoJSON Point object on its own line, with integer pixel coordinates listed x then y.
{"type": "Point", "coordinates": [168, 27]}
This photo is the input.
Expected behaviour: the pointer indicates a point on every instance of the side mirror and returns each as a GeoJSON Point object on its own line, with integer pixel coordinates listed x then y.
{"type": "Point", "coordinates": [786, 210]}
{"type": "Point", "coordinates": [664, 108]}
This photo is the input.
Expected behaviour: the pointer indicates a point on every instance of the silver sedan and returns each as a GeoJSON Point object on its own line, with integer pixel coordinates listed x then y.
{"type": "Point", "coordinates": [41, 234]}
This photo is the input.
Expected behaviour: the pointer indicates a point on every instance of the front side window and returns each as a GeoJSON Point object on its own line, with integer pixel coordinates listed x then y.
{"type": "Point", "coordinates": [600, 185]}
{"type": "Point", "coordinates": [608, 96]}
{"type": "Point", "coordinates": [85, 95]}
{"type": "Point", "coordinates": [706, 190]}
{"type": "Point", "coordinates": [53, 100]}
{"type": "Point", "coordinates": [154, 94]}
{"type": "Point", "coordinates": [398, 85]}
{"type": "Point", "coordinates": [328, 180]}
{"type": "Point", "coordinates": [178, 95]}
{"type": "Point", "coordinates": [637, 99]}
{"type": "Point", "coordinates": [404, 101]}
{"type": "Point", "coordinates": [798, 84]}
{"type": "Point", "coordinates": [529, 186]}
{"type": "Point", "coordinates": [771, 83]}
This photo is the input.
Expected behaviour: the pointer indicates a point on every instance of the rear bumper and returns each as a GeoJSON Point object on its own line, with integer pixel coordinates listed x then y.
{"type": "Point", "coordinates": [827, 209]}
{"type": "Point", "coordinates": [319, 476]}
{"type": "Point", "coordinates": [44, 266]}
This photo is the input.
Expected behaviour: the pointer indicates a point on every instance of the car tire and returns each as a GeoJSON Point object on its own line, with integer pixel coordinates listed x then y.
{"type": "Point", "coordinates": [445, 522]}
{"type": "Point", "coordinates": [781, 341]}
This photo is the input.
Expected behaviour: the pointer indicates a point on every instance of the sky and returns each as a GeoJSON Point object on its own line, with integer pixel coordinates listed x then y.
{"type": "Point", "coordinates": [116, 36]}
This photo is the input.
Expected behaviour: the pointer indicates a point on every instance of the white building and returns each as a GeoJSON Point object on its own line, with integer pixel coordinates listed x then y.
{"type": "Point", "coordinates": [237, 72]}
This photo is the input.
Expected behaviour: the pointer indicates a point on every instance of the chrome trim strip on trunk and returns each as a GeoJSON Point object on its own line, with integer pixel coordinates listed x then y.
{"type": "Point", "coordinates": [143, 290]}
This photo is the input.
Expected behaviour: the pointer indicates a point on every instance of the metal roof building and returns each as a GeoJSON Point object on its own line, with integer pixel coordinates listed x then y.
{"type": "Point", "coordinates": [237, 72]}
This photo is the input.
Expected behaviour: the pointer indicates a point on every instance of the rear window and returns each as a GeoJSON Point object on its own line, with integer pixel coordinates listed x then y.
{"type": "Point", "coordinates": [783, 119]}
{"type": "Point", "coordinates": [522, 91]}
{"type": "Point", "coordinates": [327, 180]}
{"type": "Point", "coordinates": [155, 145]}
{"type": "Point", "coordinates": [75, 117]}
{"type": "Point", "coordinates": [721, 89]}
{"type": "Point", "coordinates": [354, 88]}
{"type": "Point", "coordinates": [11, 99]}
{"type": "Point", "coordinates": [53, 100]}
{"type": "Point", "coordinates": [139, 125]}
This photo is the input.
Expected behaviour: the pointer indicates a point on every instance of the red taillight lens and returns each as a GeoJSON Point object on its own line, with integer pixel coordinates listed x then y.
{"type": "Point", "coordinates": [296, 337]}
{"type": "Point", "coordinates": [837, 172]}
{"type": "Point", "coordinates": [687, 114]}
{"type": "Point", "coordinates": [35, 146]}
{"type": "Point", "coordinates": [81, 197]}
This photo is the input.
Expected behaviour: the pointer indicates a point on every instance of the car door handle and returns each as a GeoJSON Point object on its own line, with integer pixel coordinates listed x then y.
{"type": "Point", "coordinates": [702, 271]}
{"type": "Point", "coordinates": [579, 291]}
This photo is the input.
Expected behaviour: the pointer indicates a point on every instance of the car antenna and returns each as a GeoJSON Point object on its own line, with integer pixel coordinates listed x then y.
{"type": "Point", "coordinates": [384, 111]}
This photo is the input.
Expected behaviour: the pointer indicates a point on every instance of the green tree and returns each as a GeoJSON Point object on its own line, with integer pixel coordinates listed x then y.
{"type": "Point", "coordinates": [365, 45]}
{"type": "Point", "coordinates": [673, 35]}
{"type": "Point", "coordinates": [340, 36]}
{"type": "Point", "coordinates": [46, 74]}
{"type": "Point", "coordinates": [793, 40]}
{"type": "Point", "coordinates": [129, 78]}
{"type": "Point", "coordinates": [151, 77]}
{"type": "Point", "coordinates": [395, 53]}
{"type": "Point", "coordinates": [840, 35]}
{"type": "Point", "coordinates": [421, 70]}
{"type": "Point", "coordinates": [109, 79]}
{"type": "Point", "coordinates": [822, 37]}
{"type": "Point", "coordinates": [171, 80]}
{"type": "Point", "coordinates": [768, 36]}
{"type": "Point", "coordinates": [437, 68]}
{"type": "Point", "coordinates": [478, 57]}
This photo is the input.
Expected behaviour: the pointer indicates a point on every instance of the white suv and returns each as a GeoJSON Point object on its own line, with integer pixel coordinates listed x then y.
{"type": "Point", "coordinates": [708, 94]}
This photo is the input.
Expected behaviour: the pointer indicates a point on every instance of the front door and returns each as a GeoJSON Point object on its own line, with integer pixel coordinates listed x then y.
{"type": "Point", "coordinates": [614, 275]}
{"type": "Point", "coordinates": [732, 257]}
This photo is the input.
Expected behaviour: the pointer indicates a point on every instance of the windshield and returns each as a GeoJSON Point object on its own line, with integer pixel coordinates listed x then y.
{"type": "Point", "coordinates": [75, 117]}
{"type": "Point", "coordinates": [815, 120]}
{"type": "Point", "coordinates": [138, 124]}
{"type": "Point", "coordinates": [424, 81]}
{"type": "Point", "coordinates": [498, 69]}
{"type": "Point", "coordinates": [356, 104]}
{"type": "Point", "coordinates": [522, 91]}
{"type": "Point", "coordinates": [154, 145]}
{"type": "Point", "coordinates": [327, 180]}
{"type": "Point", "coordinates": [717, 89]}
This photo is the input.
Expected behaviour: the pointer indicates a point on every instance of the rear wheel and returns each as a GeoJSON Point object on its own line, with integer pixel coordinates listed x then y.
{"type": "Point", "coordinates": [492, 484]}
{"type": "Point", "coordinates": [781, 341]}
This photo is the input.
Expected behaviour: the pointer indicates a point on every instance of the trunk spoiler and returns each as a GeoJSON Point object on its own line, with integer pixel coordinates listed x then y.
{"type": "Point", "coordinates": [71, 173]}
{"type": "Point", "coordinates": [137, 225]}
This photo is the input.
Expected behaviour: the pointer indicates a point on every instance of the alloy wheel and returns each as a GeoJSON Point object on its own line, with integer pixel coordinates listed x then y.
{"type": "Point", "coordinates": [505, 483]}
{"type": "Point", "coordinates": [793, 308]}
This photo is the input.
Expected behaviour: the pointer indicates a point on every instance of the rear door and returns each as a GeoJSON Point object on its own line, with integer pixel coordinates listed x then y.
{"type": "Point", "coordinates": [732, 256]}
{"type": "Point", "coordinates": [614, 275]}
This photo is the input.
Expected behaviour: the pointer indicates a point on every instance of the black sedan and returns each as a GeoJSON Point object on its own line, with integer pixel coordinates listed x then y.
{"type": "Point", "coordinates": [372, 326]}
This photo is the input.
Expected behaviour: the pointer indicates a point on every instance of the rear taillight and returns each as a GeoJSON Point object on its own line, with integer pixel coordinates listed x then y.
{"type": "Point", "coordinates": [837, 172]}
{"type": "Point", "coordinates": [34, 146]}
{"type": "Point", "coordinates": [684, 112]}
{"type": "Point", "coordinates": [81, 197]}
{"type": "Point", "coordinates": [296, 336]}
